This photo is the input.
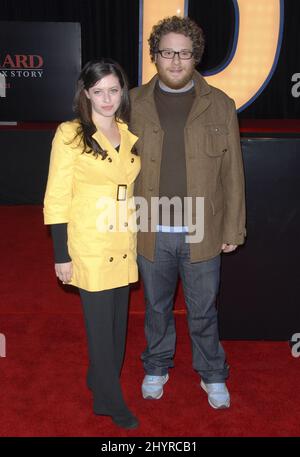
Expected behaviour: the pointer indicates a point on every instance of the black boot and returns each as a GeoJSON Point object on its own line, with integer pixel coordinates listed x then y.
{"type": "Point", "coordinates": [126, 420]}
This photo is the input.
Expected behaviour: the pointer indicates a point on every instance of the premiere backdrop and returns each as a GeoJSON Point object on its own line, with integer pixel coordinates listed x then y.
{"type": "Point", "coordinates": [41, 62]}
{"type": "Point", "coordinates": [51, 30]}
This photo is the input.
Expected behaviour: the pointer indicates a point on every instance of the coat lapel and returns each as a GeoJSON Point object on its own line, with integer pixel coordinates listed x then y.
{"type": "Point", "coordinates": [202, 99]}
{"type": "Point", "coordinates": [111, 164]}
{"type": "Point", "coordinates": [116, 166]}
{"type": "Point", "coordinates": [130, 162]}
{"type": "Point", "coordinates": [146, 104]}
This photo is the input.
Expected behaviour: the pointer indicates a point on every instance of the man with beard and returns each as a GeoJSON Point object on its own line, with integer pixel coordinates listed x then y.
{"type": "Point", "coordinates": [190, 149]}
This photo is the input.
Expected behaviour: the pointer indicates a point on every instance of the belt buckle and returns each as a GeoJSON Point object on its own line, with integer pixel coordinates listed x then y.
{"type": "Point", "coordinates": [121, 192]}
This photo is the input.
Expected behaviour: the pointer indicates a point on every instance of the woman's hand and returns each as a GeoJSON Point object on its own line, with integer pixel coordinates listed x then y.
{"type": "Point", "coordinates": [64, 271]}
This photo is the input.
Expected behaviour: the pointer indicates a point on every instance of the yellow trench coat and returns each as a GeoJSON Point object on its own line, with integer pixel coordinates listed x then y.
{"type": "Point", "coordinates": [95, 198]}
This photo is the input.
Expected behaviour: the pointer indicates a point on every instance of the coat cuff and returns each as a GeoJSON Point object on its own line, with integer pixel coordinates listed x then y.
{"type": "Point", "coordinates": [238, 238]}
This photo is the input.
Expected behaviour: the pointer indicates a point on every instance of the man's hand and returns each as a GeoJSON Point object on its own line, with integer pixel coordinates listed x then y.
{"type": "Point", "coordinates": [64, 271]}
{"type": "Point", "coordinates": [228, 247]}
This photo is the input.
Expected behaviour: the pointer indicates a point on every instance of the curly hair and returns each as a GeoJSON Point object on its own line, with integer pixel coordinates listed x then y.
{"type": "Point", "coordinates": [182, 25]}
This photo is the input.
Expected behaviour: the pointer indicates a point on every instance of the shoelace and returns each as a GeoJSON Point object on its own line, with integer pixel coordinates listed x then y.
{"type": "Point", "coordinates": [153, 379]}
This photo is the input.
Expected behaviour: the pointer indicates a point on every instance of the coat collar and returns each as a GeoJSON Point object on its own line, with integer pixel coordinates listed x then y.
{"type": "Point", "coordinates": [119, 168]}
{"type": "Point", "coordinates": [146, 104]}
{"type": "Point", "coordinates": [127, 140]}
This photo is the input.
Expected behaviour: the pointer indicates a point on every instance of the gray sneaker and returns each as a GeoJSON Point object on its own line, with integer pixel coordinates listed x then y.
{"type": "Point", "coordinates": [217, 393]}
{"type": "Point", "coordinates": [153, 386]}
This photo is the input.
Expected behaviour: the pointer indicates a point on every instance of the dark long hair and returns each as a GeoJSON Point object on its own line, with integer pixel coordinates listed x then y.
{"type": "Point", "coordinates": [91, 73]}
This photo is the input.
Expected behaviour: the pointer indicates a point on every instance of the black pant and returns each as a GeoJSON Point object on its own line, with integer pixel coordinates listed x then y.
{"type": "Point", "coordinates": [105, 315]}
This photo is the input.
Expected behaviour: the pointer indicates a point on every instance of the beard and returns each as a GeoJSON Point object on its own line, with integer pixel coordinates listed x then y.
{"type": "Point", "coordinates": [175, 84]}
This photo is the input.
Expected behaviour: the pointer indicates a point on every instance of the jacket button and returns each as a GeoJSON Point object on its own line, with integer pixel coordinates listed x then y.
{"type": "Point", "coordinates": [155, 130]}
{"type": "Point", "coordinates": [111, 227]}
{"type": "Point", "coordinates": [224, 150]}
{"type": "Point", "coordinates": [125, 224]}
{"type": "Point", "coordinates": [152, 159]}
{"type": "Point", "coordinates": [132, 160]}
{"type": "Point", "coordinates": [109, 159]}
{"type": "Point", "coordinates": [216, 129]}
{"type": "Point", "coordinates": [124, 256]}
{"type": "Point", "coordinates": [150, 188]}
{"type": "Point", "coordinates": [111, 259]}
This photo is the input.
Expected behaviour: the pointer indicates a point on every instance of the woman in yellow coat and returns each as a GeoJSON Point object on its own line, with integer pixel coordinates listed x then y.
{"type": "Point", "coordinates": [90, 206]}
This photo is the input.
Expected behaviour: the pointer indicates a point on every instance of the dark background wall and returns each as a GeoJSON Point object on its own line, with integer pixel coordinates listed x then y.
{"type": "Point", "coordinates": [260, 287]}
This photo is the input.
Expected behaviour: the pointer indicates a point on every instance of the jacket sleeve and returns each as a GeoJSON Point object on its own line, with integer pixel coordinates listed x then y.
{"type": "Point", "coordinates": [233, 185]}
{"type": "Point", "coordinates": [59, 234]}
{"type": "Point", "coordinates": [58, 197]}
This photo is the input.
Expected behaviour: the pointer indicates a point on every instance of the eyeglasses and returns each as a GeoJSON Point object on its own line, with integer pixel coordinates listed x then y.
{"type": "Point", "coordinates": [170, 54]}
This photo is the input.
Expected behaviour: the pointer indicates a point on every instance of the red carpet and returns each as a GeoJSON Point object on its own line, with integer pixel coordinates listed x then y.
{"type": "Point", "coordinates": [43, 390]}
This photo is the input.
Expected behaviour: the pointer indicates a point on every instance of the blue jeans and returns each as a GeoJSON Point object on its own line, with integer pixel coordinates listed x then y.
{"type": "Point", "coordinates": [200, 283]}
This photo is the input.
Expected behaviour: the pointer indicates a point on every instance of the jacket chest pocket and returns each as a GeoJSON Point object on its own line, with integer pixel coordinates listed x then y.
{"type": "Point", "coordinates": [216, 140]}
